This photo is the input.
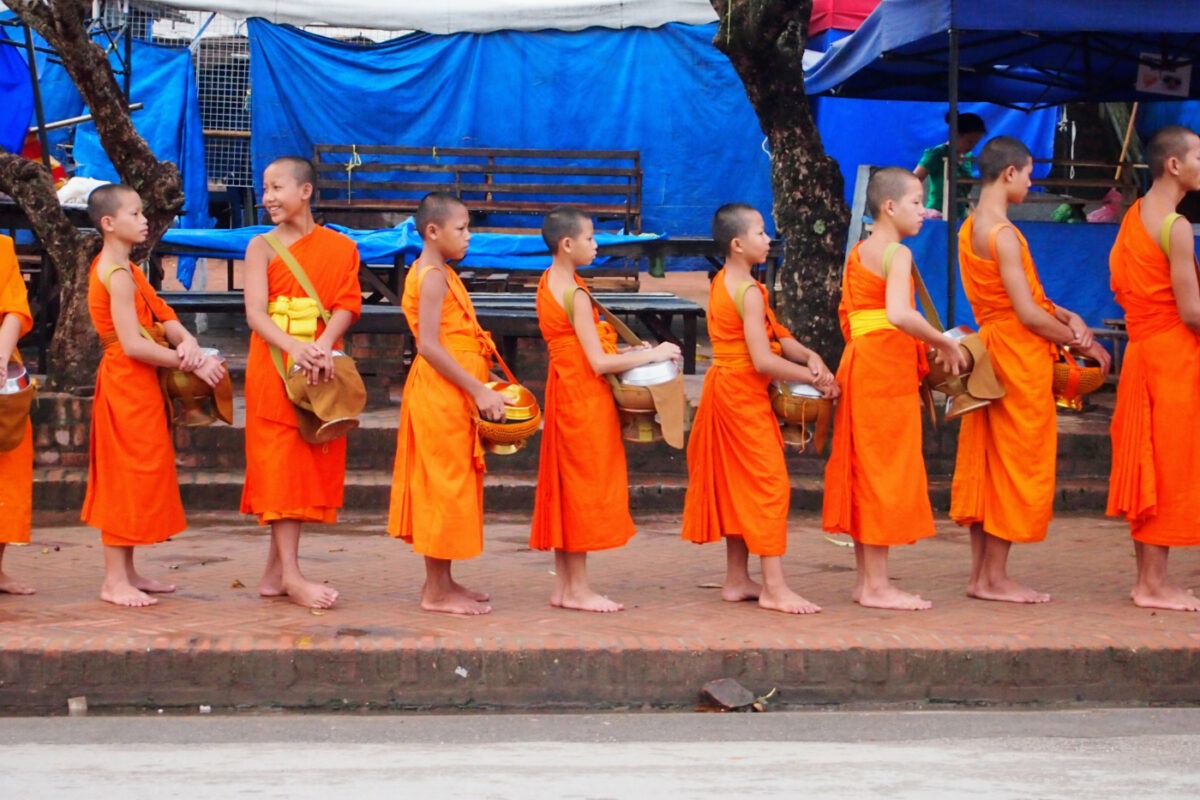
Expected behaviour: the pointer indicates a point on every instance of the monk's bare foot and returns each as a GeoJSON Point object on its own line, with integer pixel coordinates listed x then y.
{"type": "Point", "coordinates": [271, 584]}
{"type": "Point", "coordinates": [125, 594]}
{"type": "Point", "coordinates": [1171, 598]}
{"type": "Point", "coordinates": [9, 585]}
{"type": "Point", "coordinates": [1006, 591]}
{"type": "Point", "coordinates": [151, 585]}
{"type": "Point", "coordinates": [740, 591]}
{"type": "Point", "coordinates": [310, 595]}
{"type": "Point", "coordinates": [787, 601]}
{"type": "Point", "coordinates": [587, 601]}
{"type": "Point", "coordinates": [478, 597]}
{"type": "Point", "coordinates": [455, 603]}
{"type": "Point", "coordinates": [892, 598]}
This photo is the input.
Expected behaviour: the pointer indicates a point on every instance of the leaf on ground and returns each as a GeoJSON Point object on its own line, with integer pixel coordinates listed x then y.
{"type": "Point", "coordinates": [237, 584]}
{"type": "Point", "coordinates": [709, 585]}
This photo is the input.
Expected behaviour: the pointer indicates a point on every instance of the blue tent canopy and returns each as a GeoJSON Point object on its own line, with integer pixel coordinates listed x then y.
{"type": "Point", "coordinates": [1041, 52]}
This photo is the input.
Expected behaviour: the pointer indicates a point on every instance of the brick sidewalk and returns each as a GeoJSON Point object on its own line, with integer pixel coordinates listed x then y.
{"type": "Point", "coordinates": [215, 642]}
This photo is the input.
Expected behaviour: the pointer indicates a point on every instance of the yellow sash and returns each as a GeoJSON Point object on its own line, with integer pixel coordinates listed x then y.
{"type": "Point", "coordinates": [868, 320]}
{"type": "Point", "coordinates": [297, 316]}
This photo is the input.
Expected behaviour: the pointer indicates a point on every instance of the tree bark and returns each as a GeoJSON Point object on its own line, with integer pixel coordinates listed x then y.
{"type": "Point", "coordinates": [74, 349]}
{"type": "Point", "coordinates": [764, 40]}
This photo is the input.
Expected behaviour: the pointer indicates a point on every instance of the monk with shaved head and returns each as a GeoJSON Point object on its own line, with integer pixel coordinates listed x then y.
{"type": "Point", "coordinates": [1004, 474]}
{"type": "Point", "coordinates": [1155, 440]}
{"type": "Point", "coordinates": [290, 481]}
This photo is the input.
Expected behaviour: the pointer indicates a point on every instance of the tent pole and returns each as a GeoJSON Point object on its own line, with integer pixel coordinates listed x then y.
{"type": "Point", "coordinates": [39, 110]}
{"type": "Point", "coordinates": [952, 169]}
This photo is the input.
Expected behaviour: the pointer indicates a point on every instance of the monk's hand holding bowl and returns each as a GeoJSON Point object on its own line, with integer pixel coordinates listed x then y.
{"type": "Point", "coordinates": [211, 370]}
{"type": "Point", "coordinates": [820, 373]}
{"type": "Point", "coordinates": [190, 357]}
{"type": "Point", "coordinates": [949, 354]}
{"type": "Point", "coordinates": [490, 403]}
{"type": "Point", "coordinates": [1082, 333]}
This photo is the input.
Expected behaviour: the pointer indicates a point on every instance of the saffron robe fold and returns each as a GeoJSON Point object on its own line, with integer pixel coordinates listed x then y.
{"type": "Point", "coordinates": [16, 465]}
{"type": "Point", "coordinates": [1155, 440]}
{"type": "Point", "coordinates": [1004, 472]}
{"type": "Point", "coordinates": [286, 477]}
{"type": "Point", "coordinates": [737, 478]}
{"type": "Point", "coordinates": [876, 489]}
{"type": "Point", "coordinates": [582, 500]}
{"type": "Point", "coordinates": [437, 484]}
{"type": "Point", "coordinates": [132, 490]}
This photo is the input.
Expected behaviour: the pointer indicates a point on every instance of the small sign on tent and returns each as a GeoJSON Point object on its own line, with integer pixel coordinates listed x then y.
{"type": "Point", "coordinates": [1157, 77]}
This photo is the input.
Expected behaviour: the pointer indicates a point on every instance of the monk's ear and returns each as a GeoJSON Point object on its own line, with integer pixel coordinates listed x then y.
{"type": "Point", "coordinates": [889, 207]}
{"type": "Point", "coordinates": [306, 190]}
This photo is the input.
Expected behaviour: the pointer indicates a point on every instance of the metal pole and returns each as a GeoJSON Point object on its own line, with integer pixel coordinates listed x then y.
{"type": "Point", "coordinates": [39, 111]}
{"type": "Point", "coordinates": [952, 200]}
{"type": "Point", "coordinates": [128, 53]}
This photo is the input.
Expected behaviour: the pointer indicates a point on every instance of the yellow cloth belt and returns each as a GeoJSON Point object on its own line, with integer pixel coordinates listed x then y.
{"type": "Point", "coordinates": [296, 316]}
{"type": "Point", "coordinates": [736, 354]}
{"type": "Point", "coordinates": [869, 320]}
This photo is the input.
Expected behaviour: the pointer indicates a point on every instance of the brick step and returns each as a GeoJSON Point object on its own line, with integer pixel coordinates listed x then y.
{"type": "Point", "coordinates": [62, 489]}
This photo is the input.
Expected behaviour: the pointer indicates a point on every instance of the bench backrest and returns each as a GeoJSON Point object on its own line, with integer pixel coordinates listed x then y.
{"type": "Point", "coordinates": [502, 183]}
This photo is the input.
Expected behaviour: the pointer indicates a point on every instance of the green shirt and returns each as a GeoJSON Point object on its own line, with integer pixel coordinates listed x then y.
{"type": "Point", "coordinates": [934, 162]}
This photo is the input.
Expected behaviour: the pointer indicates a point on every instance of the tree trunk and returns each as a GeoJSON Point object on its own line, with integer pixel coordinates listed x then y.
{"type": "Point", "coordinates": [74, 350]}
{"type": "Point", "coordinates": [764, 40]}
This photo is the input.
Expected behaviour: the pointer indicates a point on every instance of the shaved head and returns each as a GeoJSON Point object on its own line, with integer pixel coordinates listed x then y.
{"type": "Point", "coordinates": [731, 221]}
{"type": "Point", "coordinates": [300, 168]}
{"type": "Point", "coordinates": [889, 183]}
{"type": "Point", "coordinates": [1001, 153]}
{"type": "Point", "coordinates": [435, 208]}
{"type": "Point", "coordinates": [105, 200]}
{"type": "Point", "coordinates": [563, 222]}
{"type": "Point", "coordinates": [1170, 142]}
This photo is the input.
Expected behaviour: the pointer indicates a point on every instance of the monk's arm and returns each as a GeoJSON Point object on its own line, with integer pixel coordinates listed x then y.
{"type": "Point", "coordinates": [429, 346]}
{"type": "Point", "coordinates": [121, 290]}
{"type": "Point", "coordinates": [1183, 274]}
{"type": "Point", "coordinates": [605, 363]}
{"type": "Point", "coordinates": [754, 328]}
{"type": "Point", "coordinates": [901, 313]}
{"type": "Point", "coordinates": [10, 332]}
{"type": "Point", "coordinates": [1030, 314]}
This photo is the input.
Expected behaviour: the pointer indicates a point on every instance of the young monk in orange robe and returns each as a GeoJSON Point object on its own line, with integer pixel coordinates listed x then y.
{"type": "Point", "coordinates": [1004, 474]}
{"type": "Point", "coordinates": [437, 486]}
{"type": "Point", "coordinates": [1155, 470]}
{"type": "Point", "coordinates": [875, 484]}
{"type": "Point", "coordinates": [289, 481]}
{"type": "Point", "coordinates": [16, 465]}
{"type": "Point", "coordinates": [133, 491]}
{"type": "Point", "coordinates": [738, 485]}
{"type": "Point", "coordinates": [582, 501]}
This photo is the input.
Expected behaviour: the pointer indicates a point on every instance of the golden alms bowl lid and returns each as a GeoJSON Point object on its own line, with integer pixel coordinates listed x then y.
{"type": "Point", "coordinates": [521, 404]}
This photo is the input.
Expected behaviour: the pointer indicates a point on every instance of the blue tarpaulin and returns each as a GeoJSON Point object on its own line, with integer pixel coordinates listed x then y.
{"type": "Point", "coordinates": [165, 82]}
{"type": "Point", "coordinates": [1044, 52]}
{"type": "Point", "coordinates": [16, 96]}
{"type": "Point", "coordinates": [667, 92]}
{"type": "Point", "coordinates": [497, 250]}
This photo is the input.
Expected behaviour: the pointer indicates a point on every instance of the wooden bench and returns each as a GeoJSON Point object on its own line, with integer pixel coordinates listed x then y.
{"type": "Point", "coordinates": [509, 317]}
{"type": "Point", "coordinates": [503, 187]}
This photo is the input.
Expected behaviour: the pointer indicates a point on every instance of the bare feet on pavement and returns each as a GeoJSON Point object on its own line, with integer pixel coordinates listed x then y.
{"type": "Point", "coordinates": [787, 601]}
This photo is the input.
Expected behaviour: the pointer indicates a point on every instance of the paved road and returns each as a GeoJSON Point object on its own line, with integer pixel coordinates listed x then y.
{"type": "Point", "coordinates": [982, 755]}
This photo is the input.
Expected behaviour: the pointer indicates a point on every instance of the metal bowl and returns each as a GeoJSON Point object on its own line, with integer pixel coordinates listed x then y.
{"type": "Point", "coordinates": [16, 378]}
{"type": "Point", "coordinates": [651, 374]}
{"type": "Point", "coordinates": [797, 389]}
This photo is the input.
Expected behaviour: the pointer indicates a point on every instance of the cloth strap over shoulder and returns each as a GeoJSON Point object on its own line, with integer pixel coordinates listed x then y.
{"type": "Point", "coordinates": [301, 277]}
{"type": "Point", "coordinates": [106, 281]}
{"type": "Point", "coordinates": [739, 297]}
{"type": "Point", "coordinates": [620, 327]}
{"type": "Point", "coordinates": [1164, 235]}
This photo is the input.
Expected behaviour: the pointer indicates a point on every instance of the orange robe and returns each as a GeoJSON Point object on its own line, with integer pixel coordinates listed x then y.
{"type": "Point", "coordinates": [286, 477]}
{"type": "Point", "coordinates": [132, 490]}
{"type": "Point", "coordinates": [1004, 473]}
{"type": "Point", "coordinates": [16, 465]}
{"type": "Point", "coordinates": [1155, 481]}
{"type": "Point", "coordinates": [582, 501]}
{"type": "Point", "coordinates": [875, 484]}
{"type": "Point", "coordinates": [437, 485]}
{"type": "Point", "coordinates": [737, 478]}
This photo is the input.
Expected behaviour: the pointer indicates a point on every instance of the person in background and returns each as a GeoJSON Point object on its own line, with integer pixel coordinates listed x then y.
{"type": "Point", "coordinates": [932, 166]}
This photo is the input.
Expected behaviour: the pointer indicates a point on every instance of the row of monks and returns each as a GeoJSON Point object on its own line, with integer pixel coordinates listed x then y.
{"type": "Point", "coordinates": [738, 491]}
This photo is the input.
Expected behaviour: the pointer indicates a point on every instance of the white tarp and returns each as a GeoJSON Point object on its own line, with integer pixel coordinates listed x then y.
{"type": "Point", "coordinates": [457, 16]}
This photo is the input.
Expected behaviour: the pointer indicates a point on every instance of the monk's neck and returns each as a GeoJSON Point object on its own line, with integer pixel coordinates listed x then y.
{"type": "Point", "coordinates": [1164, 196]}
{"type": "Point", "coordinates": [292, 230]}
{"type": "Point", "coordinates": [562, 270]}
{"type": "Point", "coordinates": [993, 203]}
{"type": "Point", "coordinates": [115, 252]}
{"type": "Point", "coordinates": [433, 258]}
{"type": "Point", "coordinates": [738, 268]}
